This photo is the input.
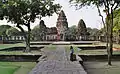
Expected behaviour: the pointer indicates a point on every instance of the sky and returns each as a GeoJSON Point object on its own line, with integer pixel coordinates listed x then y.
{"type": "Point", "coordinates": [88, 14]}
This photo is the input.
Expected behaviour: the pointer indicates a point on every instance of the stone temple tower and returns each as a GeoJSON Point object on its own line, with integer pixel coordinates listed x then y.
{"type": "Point", "coordinates": [82, 33]}
{"type": "Point", "coordinates": [62, 26]}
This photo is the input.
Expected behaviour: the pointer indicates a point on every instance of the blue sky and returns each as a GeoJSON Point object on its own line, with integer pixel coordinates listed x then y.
{"type": "Point", "coordinates": [88, 14]}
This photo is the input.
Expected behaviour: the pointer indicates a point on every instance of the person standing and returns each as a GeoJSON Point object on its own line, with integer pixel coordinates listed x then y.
{"type": "Point", "coordinates": [71, 53]}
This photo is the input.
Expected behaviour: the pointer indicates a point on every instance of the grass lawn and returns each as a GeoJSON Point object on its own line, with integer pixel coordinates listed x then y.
{"type": "Point", "coordinates": [96, 52]}
{"type": "Point", "coordinates": [4, 46]}
{"type": "Point", "coordinates": [19, 53]}
{"type": "Point", "coordinates": [114, 45]}
{"type": "Point", "coordinates": [50, 47]}
{"type": "Point", "coordinates": [7, 69]}
{"type": "Point", "coordinates": [16, 67]}
{"type": "Point", "coordinates": [75, 47]}
{"type": "Point", "coordinates": [93, 67]}
{"type": "Point", "coordinates": [90, 52]}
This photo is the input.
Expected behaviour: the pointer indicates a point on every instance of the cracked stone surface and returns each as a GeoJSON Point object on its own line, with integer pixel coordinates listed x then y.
{"type": "Point", "coordinates": [57, 62]}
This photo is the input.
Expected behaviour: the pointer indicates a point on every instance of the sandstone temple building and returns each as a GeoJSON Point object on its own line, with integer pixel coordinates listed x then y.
{"type": "Point", "coordinates": [62, 26]}
{"type": "Point", "coordinates": [59, 32]}
{"type": "Point", "coordinates": [55, 33]}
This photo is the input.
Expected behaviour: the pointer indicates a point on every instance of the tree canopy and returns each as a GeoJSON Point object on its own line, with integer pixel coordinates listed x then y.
{"type": "Point", "coordinates": [13, 32]}
{"type": "Point", "coordinates": [35, 32]}
{"type": "Point", "coordinates": [106, 3]}
{"type": "Point", "coordinates": [116, 20]}
{"type": "Point", "coordinates": [109, 7]}
{"type": "Point", "coordinates": [42, 30]}
{"type": "Point", "coordinates": [25, 12]}
{"type": "Point", "coordinates": [3, 29]}
{"type": "Point", "coordinates": [93, 32]}
{"type": "Point", "coordinates": [71, 33]}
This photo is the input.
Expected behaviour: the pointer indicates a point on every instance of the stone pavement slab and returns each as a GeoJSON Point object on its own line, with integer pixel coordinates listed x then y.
{"type": "Point", "coordinates": [57, 63]}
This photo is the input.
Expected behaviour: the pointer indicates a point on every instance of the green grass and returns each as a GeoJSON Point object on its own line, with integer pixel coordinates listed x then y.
{"type": "Point", "coordinates": [75, 47]}
{"type": "Point", "coordinates": [96, 52]}
{"type": "Point", "coordinates": [25, 67]}
{"type": "Point", "coordinates": [7, 69]}
{"type": "Point", "coordinates": [67, 48]}
{"type": "Point", "coordinates": [19, 53]}
{"type": "Point", "coordinates": [50, 47]}
{"type": "Point", "coordinates": [89, 52]}
{"type": "Point", "coordinates": [92, 52]}
{"type": "Point", "coordinates": [4, 46]}
{"type": "Point", "coordinates": [16, 67]}
{"type": "Point", "coordinates": [102, 67]}
{"type": "Point", "coordinates": [114, 45]}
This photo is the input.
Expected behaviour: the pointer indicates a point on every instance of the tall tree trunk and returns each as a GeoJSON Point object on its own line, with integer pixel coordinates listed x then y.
{"type": "Point", "coordinates": [25, 36]}
{"type": "Point", "coordinates": [110, 47]}
{"type": "Point", "coordinates": [107, 36]}
{"type": "Point", "coordinates": [105, 26]}
{"type": "Point", "coordinates": [28, 40]}
{"type": "Point", "coordinates": [110, 39]}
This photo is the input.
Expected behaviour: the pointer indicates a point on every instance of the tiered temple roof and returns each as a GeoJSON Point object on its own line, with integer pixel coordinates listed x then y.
{"type": "Point", "coordinates": [81, 29]}
{"type": "Point", "coordinates": [62, 20]}
{"type": "Point", "coordinates": [62, 25]}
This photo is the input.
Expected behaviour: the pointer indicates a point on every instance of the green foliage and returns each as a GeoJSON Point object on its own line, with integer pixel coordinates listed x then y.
{"type": "Point", "coordinates": [42, 30]}
{"type": "Point", "coordinates": [26, 11]}
{"type": "Point", "coordinates": [71, 33]}
{"type": "Point", "coordinates": [82, 3]}
{"type": "Point", "coordinates": [35, 31]}
{"type": "Point", "coordinates": [39, 31]}
{"type": "Point", "coordinates": [93, 32]}
{"type": "Point", "coordinates": [110, 6]}
{"type": "Point", "coordinates": [116, 20]}
{"type": "Point", "coordinates": [116, 23]}
{"type": "Point", "coordinates": [23, 12]}
{"type": "Point", "coordinates": [16, 67]}
{"type": "Point", "coordinates": [3, 29]}
{"type": "Point", "coordinates": [12, 31]}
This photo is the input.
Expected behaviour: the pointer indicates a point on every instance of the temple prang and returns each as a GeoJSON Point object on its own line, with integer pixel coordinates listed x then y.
{"type": "Point", "coordinates": [62, 26]}
{"type": "Point", "coordinates": [59, 33]}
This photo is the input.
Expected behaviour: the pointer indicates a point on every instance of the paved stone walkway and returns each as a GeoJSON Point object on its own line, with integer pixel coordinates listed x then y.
{"type": "Point", "coordinates": [57, 62]}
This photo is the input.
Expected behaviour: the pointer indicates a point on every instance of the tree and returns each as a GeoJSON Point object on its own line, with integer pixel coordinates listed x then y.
{"type": "Point", "coordinates": [93, 31]}
{"type": "Point", "coordinates": [3, 29]}
{"type": "Point", "coordinates": [24, 12]}
{"type": "Point", "coordinates": [71, 33]}
{"type": "Point", "coordinates": [12, 32]}
{"type": "Point", "coordinates": [116, 25]}
{"type": "Point", "coordinates": [42, 30]}
{"type": "Point", "coordinates": [35, 32]}
{"type": "Point", "coordinates": [110, 6]}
